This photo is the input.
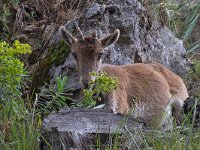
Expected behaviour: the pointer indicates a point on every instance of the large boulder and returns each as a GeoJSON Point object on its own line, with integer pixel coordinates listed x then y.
{"type": "Point", "coordinates": [142, 38]}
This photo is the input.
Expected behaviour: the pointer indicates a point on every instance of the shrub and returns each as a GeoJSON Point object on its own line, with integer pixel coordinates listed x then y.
{"type": "Point", "coordinates": [12, 69]}
{"type": "Point", "coordinates": [52, 98]}
{"type": "Point", "coordinates": [11, 72]}
{"type": "Point", "coordinates": [17, 129]}
{"type": "Point", "coordinates": [103, 84]}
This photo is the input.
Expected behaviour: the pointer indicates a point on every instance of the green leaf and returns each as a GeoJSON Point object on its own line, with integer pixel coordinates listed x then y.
{"type": "Point", "coordinates": [53, 98]}
{"type": "Point", "coordinates": [193, 46]}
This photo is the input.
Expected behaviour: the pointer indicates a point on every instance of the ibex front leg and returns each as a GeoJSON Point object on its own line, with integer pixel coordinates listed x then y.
{"type": "Point", "coordinates": [117, 101]}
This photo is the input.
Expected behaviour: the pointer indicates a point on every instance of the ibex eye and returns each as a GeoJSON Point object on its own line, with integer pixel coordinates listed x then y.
{"type": "Point", "coordinates": [100, 56]}
{"type": "Point", "coordinates": [74, 55]}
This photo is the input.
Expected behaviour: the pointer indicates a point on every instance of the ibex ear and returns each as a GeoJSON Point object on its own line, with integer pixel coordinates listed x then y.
{"type": "Point", "coordinates": [67, 37]}
{"type": "Point", "coordinates": [110, 39]}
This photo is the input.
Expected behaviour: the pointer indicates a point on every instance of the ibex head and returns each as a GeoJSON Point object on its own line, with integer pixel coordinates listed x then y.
{"type": "Point", "coordinates": [88, 51]}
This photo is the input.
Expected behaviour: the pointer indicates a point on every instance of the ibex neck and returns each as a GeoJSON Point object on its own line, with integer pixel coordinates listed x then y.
{"type": "Point", "coordinates": [104, 66]}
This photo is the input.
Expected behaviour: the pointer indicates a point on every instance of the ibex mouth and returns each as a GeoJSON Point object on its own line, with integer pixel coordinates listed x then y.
{"type": "Point", "coordinates": [85, 84]}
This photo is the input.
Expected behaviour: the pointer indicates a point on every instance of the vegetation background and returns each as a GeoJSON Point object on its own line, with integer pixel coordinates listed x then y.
{"type": "Point", "coordinates": [21, 112]}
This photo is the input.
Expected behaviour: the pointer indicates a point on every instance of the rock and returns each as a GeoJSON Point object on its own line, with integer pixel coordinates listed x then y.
{"type": "Point", "coordinates": [79, 129]}
{"type": "Point", "coordinates": [69, 70]}
{"type": "Point", "coordinates": [92, 11]}
{"type": "Point", "coordinates": [142, 38]}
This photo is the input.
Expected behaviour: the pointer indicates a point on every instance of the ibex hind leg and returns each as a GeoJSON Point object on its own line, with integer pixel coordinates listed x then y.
{"type": "Point", "coordinates": [176, 109]}
{"type": "Point", "coordinates": [158, 116]}
{"type": "Point", "coordinates": [166, 121]}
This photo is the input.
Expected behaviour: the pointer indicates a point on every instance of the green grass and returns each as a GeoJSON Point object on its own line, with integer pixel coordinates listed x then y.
{"type": "Point", "coordinates": [179, 138]}
{"type": "Point", "coordinates": [17, 129]}
{"type": "Point", "coordinates": [184, 137]}
{"type": "Point", "coordinates": [180, 17]}
{"type": "Point", "coordinates": [22, 136]}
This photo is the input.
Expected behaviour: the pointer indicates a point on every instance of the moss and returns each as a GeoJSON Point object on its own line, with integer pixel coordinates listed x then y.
{"type": "Point", "coordinates": [55, 55]}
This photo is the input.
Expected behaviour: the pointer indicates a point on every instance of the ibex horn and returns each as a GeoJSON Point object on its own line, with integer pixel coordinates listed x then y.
{"type": "Point", "coordinates": [94, 34]}
{"type": "Point", "coordinates": [80, 34]}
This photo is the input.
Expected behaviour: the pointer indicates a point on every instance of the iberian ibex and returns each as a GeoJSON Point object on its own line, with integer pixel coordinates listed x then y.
{"type": "Point", "coordinates": [149, 91]}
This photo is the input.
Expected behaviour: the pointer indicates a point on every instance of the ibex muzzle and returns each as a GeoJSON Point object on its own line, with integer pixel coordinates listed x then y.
{"type": "Point", "coordinates": [147, 91]}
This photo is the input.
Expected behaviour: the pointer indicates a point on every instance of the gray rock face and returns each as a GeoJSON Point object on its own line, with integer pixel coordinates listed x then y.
{"type": "Point", "coordinates": [142, 38]}
{"type": "Point", "coordinates": [93, 11]}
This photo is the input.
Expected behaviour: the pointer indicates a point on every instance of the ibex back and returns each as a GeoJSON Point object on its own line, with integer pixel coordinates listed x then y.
{"type": "Point", "coordinates": [147, 91]}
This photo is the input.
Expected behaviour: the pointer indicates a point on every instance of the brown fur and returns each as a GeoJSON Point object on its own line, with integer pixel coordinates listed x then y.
{"type": "Point", "coordinates": [147, 91]}
{"type": "Point", "coordinates": [151, 87]}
